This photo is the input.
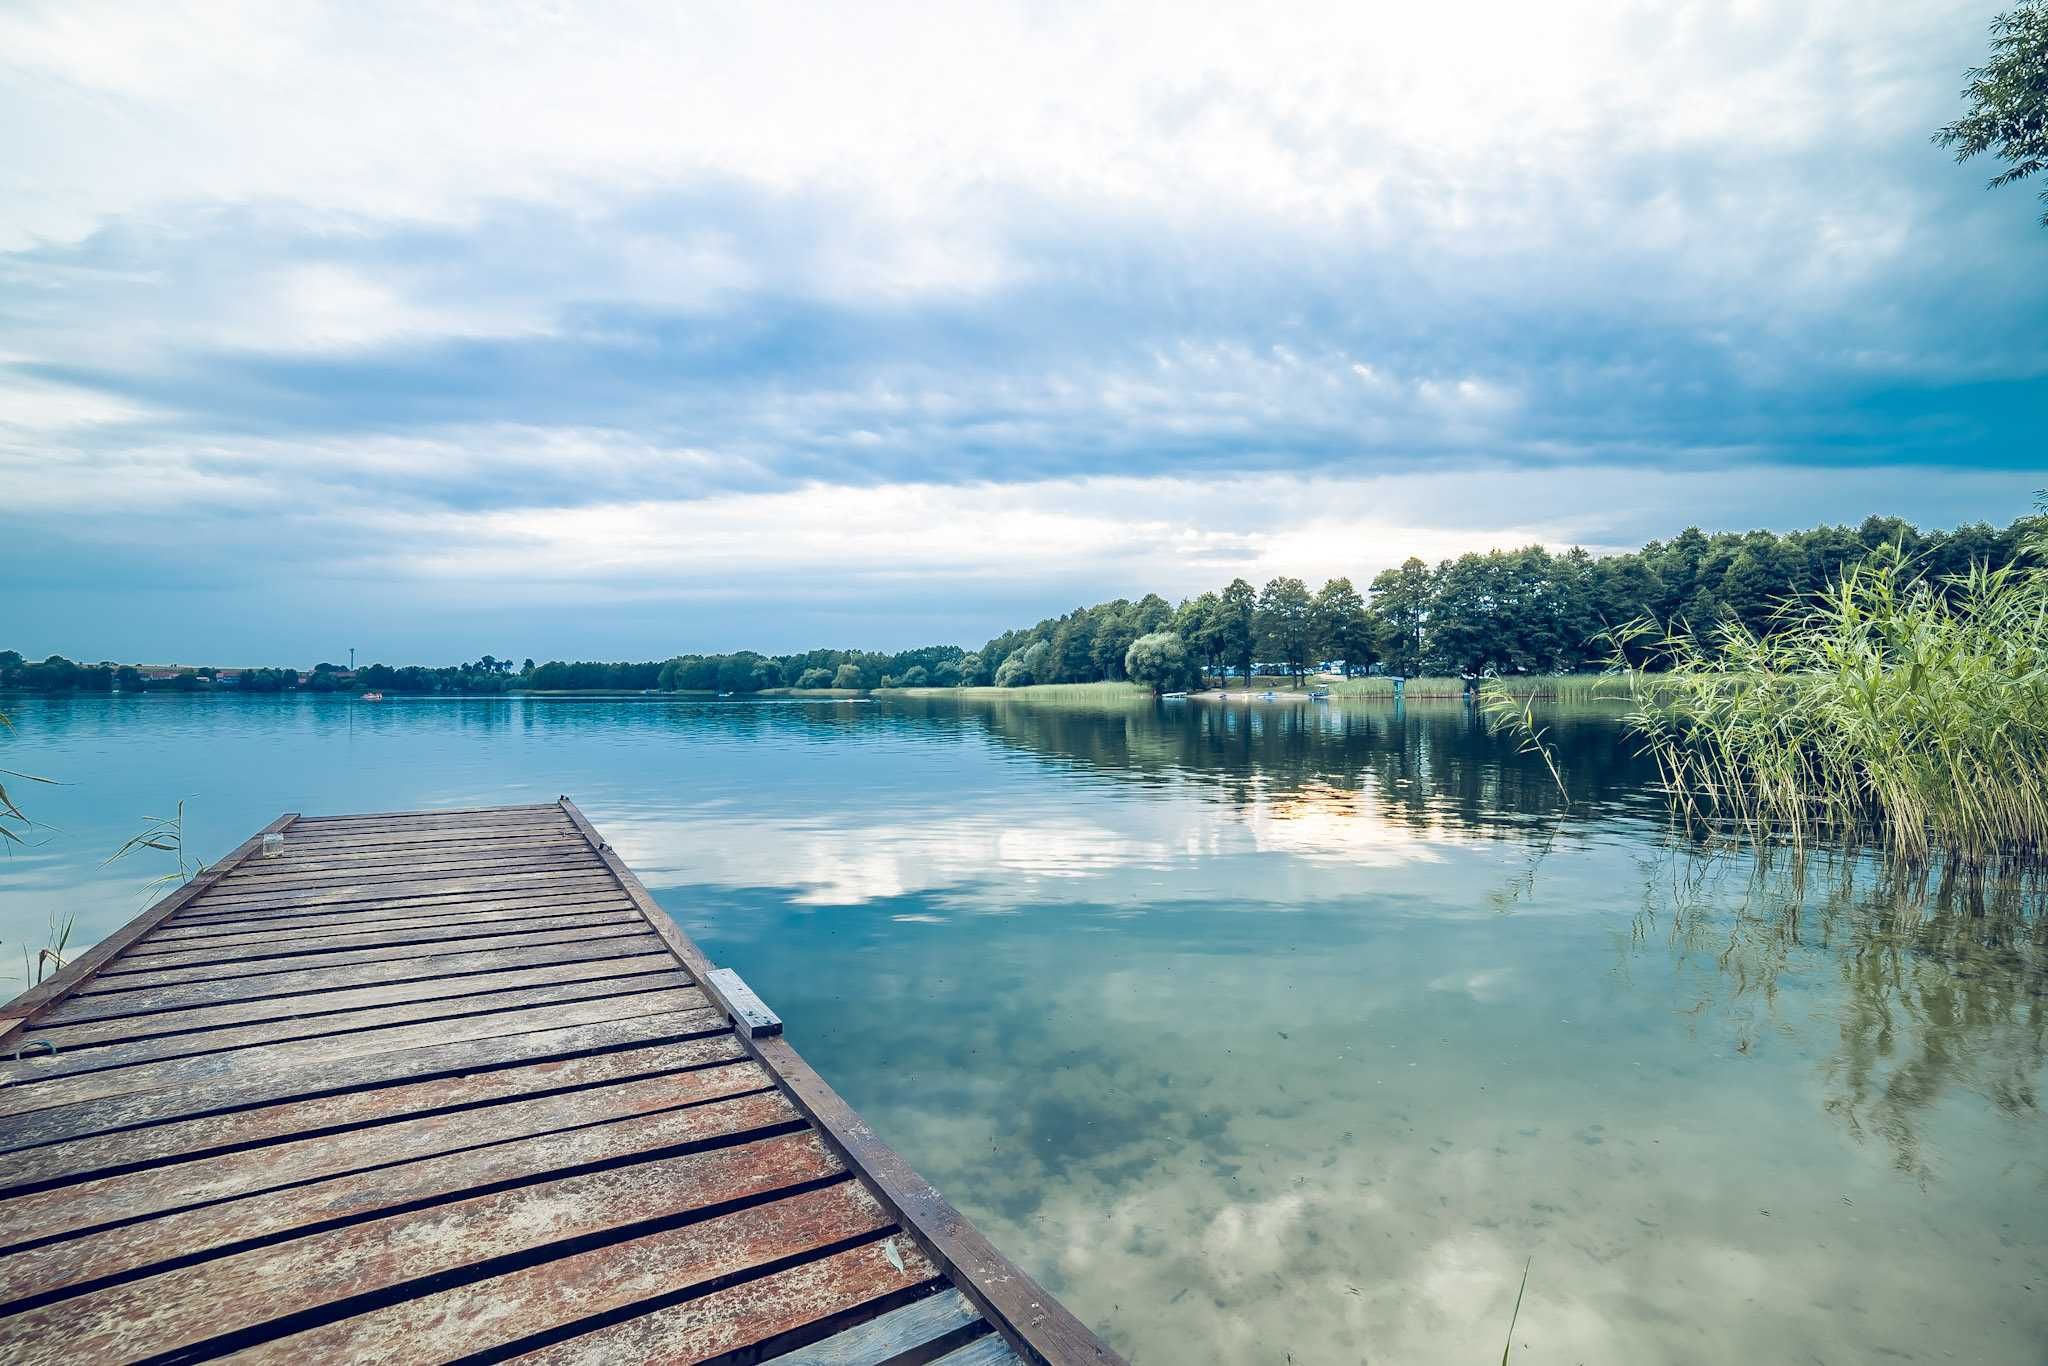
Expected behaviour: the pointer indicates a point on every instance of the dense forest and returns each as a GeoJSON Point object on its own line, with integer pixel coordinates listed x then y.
{"type": "Point", "coordinates": [1508, 611]}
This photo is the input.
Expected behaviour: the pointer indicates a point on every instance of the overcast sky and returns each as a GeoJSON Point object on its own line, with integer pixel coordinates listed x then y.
{"type": "Point", "coordinates": [621, 331]}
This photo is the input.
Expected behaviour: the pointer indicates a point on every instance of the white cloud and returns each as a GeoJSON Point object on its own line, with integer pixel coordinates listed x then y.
{"type": "Point", "coordinates": [676, 304]}
{"type": "Point", "coordinates": [1329, 118]}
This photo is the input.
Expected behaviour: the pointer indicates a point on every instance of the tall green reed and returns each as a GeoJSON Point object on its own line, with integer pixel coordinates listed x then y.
{"type": "Point", "coordinates": [1886, 709]}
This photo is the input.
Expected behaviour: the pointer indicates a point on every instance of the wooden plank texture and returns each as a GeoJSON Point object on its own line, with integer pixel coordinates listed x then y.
{"type": "Point", "coordinates": [94, 1058]}
{"type": "Point", "coordinates": [433, 1060]}
{"type": "Point", "coordinates": [449, 1084]}
{"type": "Point", "coordinates": [315, 1007]}
{"type": "Point", "coordinates": [214, 1230]}
{"type": "Point", "coordinates": [130, 1196]}
{"type": "Point", "coordinates": [185, 1073]}
{"type": "Point", "coordinates": [333, 1113]}
{"type": "Point", "coordinates": [893, 1335]}
{"type": "Point", "coordinates": [542, 1299]}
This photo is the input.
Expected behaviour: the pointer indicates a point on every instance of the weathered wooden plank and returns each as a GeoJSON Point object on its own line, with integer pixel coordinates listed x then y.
{"type": "Point", "coordinates": [201, 965]}
{"type": "Point", "coordinates": [305, 837]}
{"type": "Point", "coordinates": [534, 1300]}
{"type": "Point", "coordinates": [311, 862]}
{"type": "Point", "coordinates": [441, 1059]}
{"type": "Point", "coordinates": [318, 845]}
{"type": "Point", "coordinates": [367, 836]}
{"type": "Point", "coordinates": [515, 886]}
{"type": "Point", "coordinates": [750, 1014]}
{"type": "Point", "coordinates": [751, 1312]}
{"type": "Point", "coordinates": [175, 938]}
{"type": "Point", "coordinates": [604, 892]}
{"type": "Point", "coordinates": [248, 881]}
{"type": "Point", "coordinates": [988, 1351]}
{"type": "Point", "coordinates": [1035, 1323]}
{"type": "Point", "coordinates": [240, 1064]}
{"type": "Point", "coordinates": [91, 1058]}
{"type": "Point", "coordinates": [483, 817]}
{"type": "Point", "coordinates": [308, 845]}
{"type": "Point", "coordinates": [186, 1306]}
{"type": "Point", "coordinates": [384, 1101]}
{"type": "Point", "coordinates": [450, 965]}
{"type": "Point", "coordinates": [208, 1134]}
{"type": "Point", "coordinates": [893, 1335]}
{"type": "Point", "coordinates": [135, 1195]}
{"type": "Point", "coordinates": [496, 817]}
{"type": "Point", "coordinates": [81, 969]}
{"type": "Point", "coordinates": [628, 973]}
{"type": "Point", "coordinates": [307, 865]}
{"type": "Point", "coordinates": [373, 890]}
{"type": "Point", "coordinates": [159, 952]}
{"type": "Point", "coordinates": [428, 813]}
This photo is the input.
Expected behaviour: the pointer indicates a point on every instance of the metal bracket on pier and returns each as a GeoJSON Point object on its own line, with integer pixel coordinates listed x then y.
{"type": "Point", "coordinates": [750, 1014]}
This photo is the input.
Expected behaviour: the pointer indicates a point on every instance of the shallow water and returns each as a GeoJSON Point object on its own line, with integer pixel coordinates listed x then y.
{"type": "Point", "coordinates": [1271, 1029]}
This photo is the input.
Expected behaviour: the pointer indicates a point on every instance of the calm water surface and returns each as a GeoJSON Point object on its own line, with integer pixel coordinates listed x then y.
{"type": "Point", "coordinates": [1271, 1029]}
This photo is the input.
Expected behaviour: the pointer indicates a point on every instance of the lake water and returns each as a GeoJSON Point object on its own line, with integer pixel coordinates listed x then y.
{"type": "Point", "coordinates": [1264, 1032]}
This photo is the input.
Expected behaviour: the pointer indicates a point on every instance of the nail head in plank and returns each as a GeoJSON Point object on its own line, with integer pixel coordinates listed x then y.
{"type": "Point", "coordinates": [750, 1015]}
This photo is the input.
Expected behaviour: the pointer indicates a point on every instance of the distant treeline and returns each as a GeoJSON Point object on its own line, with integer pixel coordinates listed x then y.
{"type": "Point", "coordinates": [1508, 611]}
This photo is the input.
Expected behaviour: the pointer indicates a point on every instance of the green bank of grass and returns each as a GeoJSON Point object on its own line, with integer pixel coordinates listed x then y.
{"type": "Point", "coordinates": [1543, 687]}
{"type": "Point", "coordinates": [1040, 692]}
{"type": "Point", "coordinates": [673, 694]}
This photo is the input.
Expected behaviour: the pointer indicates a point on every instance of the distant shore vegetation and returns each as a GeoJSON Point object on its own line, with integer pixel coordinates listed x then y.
{"type": "Point", "coordinates": [1515, 613]}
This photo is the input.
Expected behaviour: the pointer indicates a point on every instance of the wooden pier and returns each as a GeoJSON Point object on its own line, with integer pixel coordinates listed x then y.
{"type": "Point", "coordinates": [448, 1085]}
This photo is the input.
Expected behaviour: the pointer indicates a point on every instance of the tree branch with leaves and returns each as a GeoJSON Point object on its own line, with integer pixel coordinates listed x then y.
{"type": "Point", "coordinates": [2008, 98]}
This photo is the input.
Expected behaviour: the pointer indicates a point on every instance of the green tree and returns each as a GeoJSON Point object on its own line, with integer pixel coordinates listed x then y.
{"type": "Point", "coordinates": [1757, 581]}
{"type": "Point", "coordinates": [1194, 621]}
{"type": "Point", "coordinates": [2008, 99]}
{"type": "Point", "coordinates": [1026, 667]}
{"type": "Point", "coordinates": [1625, 589]}
{"type": "Point", "coordinates": [1116, 627]}
{"type": "Point", "coordinates": [1159, 658]}
{"type": "Point", "coordinates": [1151, 613]}
{"type": "Point", "coordinates": [846, 676]}
{"type": "Point", "coordinates": [1235, 626]}
{"type": "Point", "coordinates": [1286, 624]}
{"type": "Point", "coordinates": [1340, 627]}
{"type": "Point", "coordinates": [814, 678]}
{"type": "Point", "coordinates": [1401, 599]}
{"type": "Point", "coordinates": [1072, 653]}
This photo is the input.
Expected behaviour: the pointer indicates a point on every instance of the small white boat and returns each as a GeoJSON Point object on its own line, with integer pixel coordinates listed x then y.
{"type": "Point", "coordinates": [1172, 696]}
{"type": "Point", "coordinates": [373, 697]}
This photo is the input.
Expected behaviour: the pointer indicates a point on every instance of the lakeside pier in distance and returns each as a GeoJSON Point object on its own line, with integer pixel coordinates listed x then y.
{"type": "Point", "coordinates": [449, 1085]}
